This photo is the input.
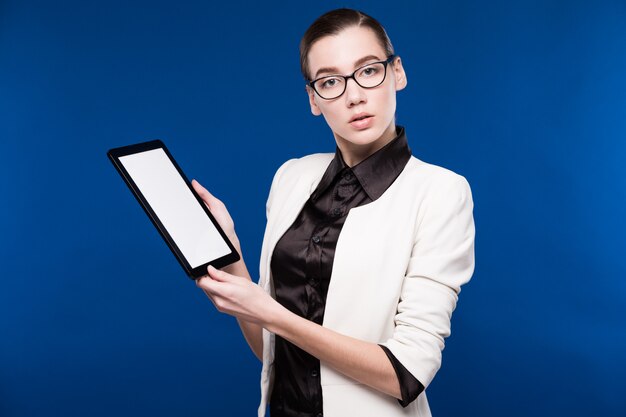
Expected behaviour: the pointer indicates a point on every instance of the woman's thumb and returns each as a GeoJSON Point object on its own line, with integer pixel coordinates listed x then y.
{"type": "Point", "coordinates": [216, 274]}
{"type": "Point", "coordinates": [202, 192]}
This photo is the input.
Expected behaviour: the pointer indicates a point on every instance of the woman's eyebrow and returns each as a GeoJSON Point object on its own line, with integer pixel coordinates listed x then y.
{"type": "Point", "coordinates": [335, 70]}
{"type": "Point", "coordinates": [363, 60]}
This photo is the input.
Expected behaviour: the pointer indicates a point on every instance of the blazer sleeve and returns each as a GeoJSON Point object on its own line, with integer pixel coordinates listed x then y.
{"type": "Point", "coordinates": [410, 387]}
{"type": "Point", "coordinates": [441, 260]}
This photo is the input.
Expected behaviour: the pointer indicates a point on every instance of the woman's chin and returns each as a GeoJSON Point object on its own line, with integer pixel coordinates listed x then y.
{"type": "Point", "coordinates": [363, 138]}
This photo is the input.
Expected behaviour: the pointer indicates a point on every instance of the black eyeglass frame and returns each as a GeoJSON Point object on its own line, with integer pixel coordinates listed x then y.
{"type": "Point", "coordinates": [347, 77]}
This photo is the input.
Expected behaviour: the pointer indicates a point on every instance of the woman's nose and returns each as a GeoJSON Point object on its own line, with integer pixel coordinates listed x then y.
{"type": "Point", "coordinates": [355, 94]}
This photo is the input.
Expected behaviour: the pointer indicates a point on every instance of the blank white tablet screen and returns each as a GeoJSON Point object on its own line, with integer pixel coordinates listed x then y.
{"type": "Point", "coordinates": [175, 206]}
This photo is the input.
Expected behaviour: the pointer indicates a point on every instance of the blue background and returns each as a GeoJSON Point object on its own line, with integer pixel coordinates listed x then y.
{"type": "Point", "coordinates": [526, 99]}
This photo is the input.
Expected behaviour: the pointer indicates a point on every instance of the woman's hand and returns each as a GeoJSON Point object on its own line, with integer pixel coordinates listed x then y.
{"type": "Point", "coordinates": [239, 297]}
{"type": "Point", "coordinates": [219, 211]}
{"type": "Point", "coordinates": [232, 290]}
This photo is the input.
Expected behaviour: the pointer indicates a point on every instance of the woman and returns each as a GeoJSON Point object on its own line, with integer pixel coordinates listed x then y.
{"type": "Point", "coordinates": [364, 252]}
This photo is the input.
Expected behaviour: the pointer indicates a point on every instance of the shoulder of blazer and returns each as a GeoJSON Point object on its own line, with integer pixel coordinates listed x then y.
{"type": "Point", "coordinates": [430, 175]}
{"type": "Point", "coordinates": [308, 164]}
{"type": "Point", "coordinates": [306, 169]}
{"type": "Point", "coordinates": [297, 172]}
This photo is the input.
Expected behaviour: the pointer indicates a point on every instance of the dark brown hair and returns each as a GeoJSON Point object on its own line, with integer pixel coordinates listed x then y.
{"type": "Point", "coordinates": [333, 22]}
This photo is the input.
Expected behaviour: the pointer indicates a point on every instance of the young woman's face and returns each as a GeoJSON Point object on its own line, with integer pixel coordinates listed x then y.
{"type": "Point", "coordinates": [342, 54]}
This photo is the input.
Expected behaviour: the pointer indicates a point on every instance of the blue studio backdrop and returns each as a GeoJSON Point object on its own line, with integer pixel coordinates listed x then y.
{"type": "Point", "coordinates": [526, 99]}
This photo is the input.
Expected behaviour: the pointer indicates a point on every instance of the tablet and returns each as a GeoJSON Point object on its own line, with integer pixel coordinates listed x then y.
{"type": "Point", "coordinates": [178, 213]}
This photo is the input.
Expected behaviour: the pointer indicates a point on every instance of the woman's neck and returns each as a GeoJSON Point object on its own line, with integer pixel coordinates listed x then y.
{"type": "Point", "coordinates": [353, 153]}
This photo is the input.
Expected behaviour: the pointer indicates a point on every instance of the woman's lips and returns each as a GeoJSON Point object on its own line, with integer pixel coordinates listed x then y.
{"type": "Point", "coordinates": [362, 123]}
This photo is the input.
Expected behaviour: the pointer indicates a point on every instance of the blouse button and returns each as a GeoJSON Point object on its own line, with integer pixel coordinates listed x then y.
{"type": "Point", "coordinates": [336, 211]}
{"type": "Point", "coordinates": [314, 373]}
{"type": "Point", "coordinates": [316, 239]}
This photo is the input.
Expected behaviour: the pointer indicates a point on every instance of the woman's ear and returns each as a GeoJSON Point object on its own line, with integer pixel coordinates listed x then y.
{"type": "Point", "coordinates": [314, 108]}
{"type": "Point", "coordinates": [399, 74]}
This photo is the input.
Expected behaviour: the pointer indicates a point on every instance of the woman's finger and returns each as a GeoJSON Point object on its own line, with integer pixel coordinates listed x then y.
{"type": "Point", "coordinates": [218, 275]}
{"type": "Point", "coordinates": [210, 297]}
{"type": "Point", "coordinates": [217, 208]}
{"type": "Point", "coordinates": [208, 198]}
{"type": "Point", "coordinates": [200, 279]}
{"type": "Point", "coordinates": [214, 291]}
{"type": "Point", "coordinates": [208, 284]}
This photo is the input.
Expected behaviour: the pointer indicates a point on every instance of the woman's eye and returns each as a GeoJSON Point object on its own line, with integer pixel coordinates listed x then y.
{"type": "Point", "coordinates": [369, 71]}
{"type": "Point", "coordinates": [330, 83]}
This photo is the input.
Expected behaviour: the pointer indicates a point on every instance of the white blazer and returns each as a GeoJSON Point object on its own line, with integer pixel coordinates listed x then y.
{"type": "Point", "coordinates": [399, 264]}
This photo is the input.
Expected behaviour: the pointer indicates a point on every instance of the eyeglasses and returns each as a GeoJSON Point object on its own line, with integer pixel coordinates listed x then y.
{"type": "Point", "coordinates": [368, 76]}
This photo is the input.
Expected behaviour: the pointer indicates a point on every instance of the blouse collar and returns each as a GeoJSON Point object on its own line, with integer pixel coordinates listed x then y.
{"type": "Point", "coordinates": [375, 173]}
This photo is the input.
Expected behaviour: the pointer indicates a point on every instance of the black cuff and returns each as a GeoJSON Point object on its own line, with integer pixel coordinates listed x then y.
{"type": "Point", "coordinates": [410, 387]}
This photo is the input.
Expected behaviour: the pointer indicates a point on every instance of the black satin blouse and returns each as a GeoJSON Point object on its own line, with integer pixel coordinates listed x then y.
{"type": "Point", "coordinates": [301, 268]}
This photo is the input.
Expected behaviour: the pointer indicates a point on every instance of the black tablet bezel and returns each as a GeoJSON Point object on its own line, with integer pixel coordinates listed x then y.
{"type": "Point", "coordinates": [193, 273]}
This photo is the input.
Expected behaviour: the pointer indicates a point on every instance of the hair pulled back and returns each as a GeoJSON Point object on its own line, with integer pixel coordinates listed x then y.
{"type": "Point", "coordinates": [333, 22]}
